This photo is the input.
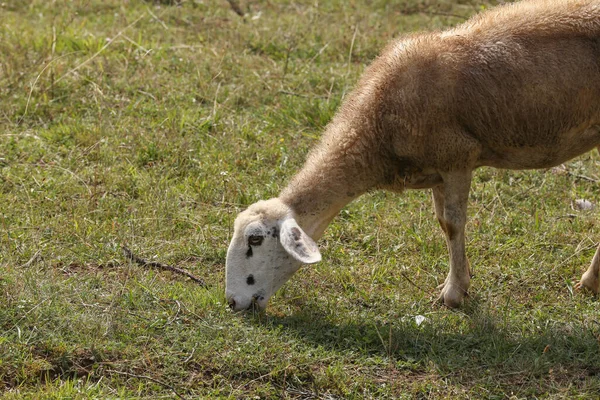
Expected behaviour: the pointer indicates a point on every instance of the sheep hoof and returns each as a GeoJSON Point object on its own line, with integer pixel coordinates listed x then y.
{"type": "Point", "coordinates": [589, 281]}
{"type": "Point", "coordinates": [451, 295]}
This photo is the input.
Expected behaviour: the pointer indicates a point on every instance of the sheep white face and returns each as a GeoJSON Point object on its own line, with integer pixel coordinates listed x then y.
{"type": "Point", "coordinates": [267, 248]}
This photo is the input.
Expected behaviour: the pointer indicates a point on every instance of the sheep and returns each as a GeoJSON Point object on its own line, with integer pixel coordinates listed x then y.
{"type": "Point", "coordinates": [514, 87]}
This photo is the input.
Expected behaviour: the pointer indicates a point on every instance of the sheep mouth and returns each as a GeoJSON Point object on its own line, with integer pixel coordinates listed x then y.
{"type": "Point", "coordinates": [258, 303]}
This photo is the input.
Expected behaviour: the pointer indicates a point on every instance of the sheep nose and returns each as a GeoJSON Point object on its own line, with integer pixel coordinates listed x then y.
{"type": "Point", "coordinates": [232, 304]}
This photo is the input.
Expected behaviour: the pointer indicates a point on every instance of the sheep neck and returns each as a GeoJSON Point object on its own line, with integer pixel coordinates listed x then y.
{"type": "Point", "coordinates": [337, 171]}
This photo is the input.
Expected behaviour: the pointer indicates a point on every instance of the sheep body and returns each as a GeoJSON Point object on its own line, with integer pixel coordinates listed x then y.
{"type": "Point", "coordinates": [515, 87]}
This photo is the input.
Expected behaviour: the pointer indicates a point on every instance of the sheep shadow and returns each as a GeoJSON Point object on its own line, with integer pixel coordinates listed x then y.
{"type": "Point", "coordinates": [489, 351]}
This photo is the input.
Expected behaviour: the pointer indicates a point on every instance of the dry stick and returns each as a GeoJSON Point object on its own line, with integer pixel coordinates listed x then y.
{"type": "Point", "coordinates": [585, 178]}
{"type": "Point", "coordinates": [236, 7]}
{"type": "Point", "coordinates": [412, 283]}
{"type": "Point", "coordinates": [33, 259]}
{"type": "Point", "coordinates": [148, 378]}
{"type": "Point", "coordinates": [132, 257]}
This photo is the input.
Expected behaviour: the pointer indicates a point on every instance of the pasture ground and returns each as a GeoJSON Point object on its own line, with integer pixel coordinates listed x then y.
{"type": "Point", "coordinates": [152, 124]}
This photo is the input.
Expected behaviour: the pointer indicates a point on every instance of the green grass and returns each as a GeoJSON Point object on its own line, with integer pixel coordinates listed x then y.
{"type": "Point", "coordinates": [152, 124]}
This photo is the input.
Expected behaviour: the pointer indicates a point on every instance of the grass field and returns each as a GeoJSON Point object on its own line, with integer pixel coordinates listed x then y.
{"type": "Point", "coordinates": [151, 124]}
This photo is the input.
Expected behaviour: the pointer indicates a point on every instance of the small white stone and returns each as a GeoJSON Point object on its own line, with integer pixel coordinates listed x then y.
{"type": "Point", "coordinates": [419, 319]}
{"type": "Point", "coordinates": [583, 205]}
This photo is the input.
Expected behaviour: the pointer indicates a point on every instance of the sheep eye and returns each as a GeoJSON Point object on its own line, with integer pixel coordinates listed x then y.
{"type": "Point", "coordinates": [255, 240]}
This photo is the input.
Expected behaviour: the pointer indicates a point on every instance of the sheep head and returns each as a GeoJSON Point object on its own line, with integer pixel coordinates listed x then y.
{"type": "Point", "coordinates": [267, 248]}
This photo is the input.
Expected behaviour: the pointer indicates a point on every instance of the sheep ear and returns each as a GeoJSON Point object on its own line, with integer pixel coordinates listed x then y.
{"type": "Point", "coordinates": [297, 243]}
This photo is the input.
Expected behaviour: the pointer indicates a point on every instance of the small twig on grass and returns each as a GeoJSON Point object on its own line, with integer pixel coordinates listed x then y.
{"type": "Point", "coordinates": [33, 259]}
{"type": "Point", "coordinates": [190, 356]}
{"type": "Point", "coordinates": [236, 7]}
{"type": "Point", "coordinates": [157, 19]}
{"type": "Point", "coordinates": [411, 282]}
{"type": "Point", "coordinates": [569, 216]}
{"type": "Point", "coordinates": [148, 378]}
{"type": "Point", "coordinates": [585, 178]}
{"type": "Point", "coordinates": [132, 257]}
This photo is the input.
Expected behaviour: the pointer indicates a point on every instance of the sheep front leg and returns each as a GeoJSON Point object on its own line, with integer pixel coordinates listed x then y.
{"type": "Point", "coordinates": [591, 278]}
{"type": "Point", "coordinates": [450, 200]}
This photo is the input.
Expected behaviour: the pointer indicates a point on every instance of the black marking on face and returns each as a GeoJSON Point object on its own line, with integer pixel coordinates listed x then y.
{"type": "Point", "coordinates": [255, 240]}
{"type": "Point", "coordinates": [274, 232]}
{"type": "Point", "coordinates": [250, 280]}
{"type": "Point", "coordinates": [249, 252]}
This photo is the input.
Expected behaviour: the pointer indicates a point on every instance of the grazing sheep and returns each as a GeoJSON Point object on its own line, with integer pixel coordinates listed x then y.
{"type": "Point", "coordinates": [514, 87]}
